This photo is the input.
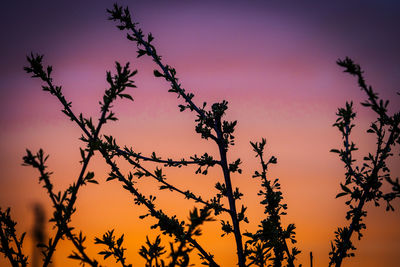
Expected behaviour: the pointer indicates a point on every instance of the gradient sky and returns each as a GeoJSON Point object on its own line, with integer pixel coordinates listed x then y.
{"type": "Point", "coordinates": [273, 62]}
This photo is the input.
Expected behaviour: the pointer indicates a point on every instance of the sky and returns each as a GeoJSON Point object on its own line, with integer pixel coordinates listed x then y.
{"type": "Point", "coordinates": [273, 61]}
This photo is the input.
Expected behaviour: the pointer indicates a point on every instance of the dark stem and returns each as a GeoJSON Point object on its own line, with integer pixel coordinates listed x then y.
{"type": "Point", "coordinates": [180, 248]}
{"type": "Point", "coordinates": [20, 256]}
{"type": "Point", "coordinates": [167, 162]}
{"type": "Point", "coordinates": [231, 199]}
{"type": "Point", "coordinates": [80, 248]}
{"type": "Point", "coordinates": [170, 186]}
{"type": "Point", "coordinates": [69, 208]}
{"type": "Point", "coordinates": [62, 222]}
{"type": "Point", "coordinates": [342, 250]}
{"type": "Point", "coordinates": [6, 248]}
{"type": "Point", "coordinates": [128, 186]}
{"type": "Point", "coordinates": [83, 170]}
{"type": "Point", "coordinates": [275, 214]}
{"type": "Point", "coordinates": [356, 219]}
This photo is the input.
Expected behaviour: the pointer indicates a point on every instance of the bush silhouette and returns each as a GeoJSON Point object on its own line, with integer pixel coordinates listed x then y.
{"type": "Point", "coordinates": [272, 244]}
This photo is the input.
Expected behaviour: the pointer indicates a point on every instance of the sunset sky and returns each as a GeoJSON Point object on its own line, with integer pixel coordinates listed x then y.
{"type": "Point", "coordinates": [273, 61]}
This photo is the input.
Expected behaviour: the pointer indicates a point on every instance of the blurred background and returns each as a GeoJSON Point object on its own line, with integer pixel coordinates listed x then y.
{"type": "Point", "coordinates": [274, 62]}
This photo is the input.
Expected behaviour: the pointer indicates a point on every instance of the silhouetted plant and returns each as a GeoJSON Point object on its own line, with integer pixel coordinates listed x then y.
{"type": "Point", "coordinates": [364, 183]}
{"type": "Point", "coordinates": [271, 235]}
{"type": "Point", "coordinates": [114, 247]}
{"type": "Point", "coordinates": [153, 252]}
{"type": "Point", "coordinates": [268, 246]}
{"type": "Point", "coordinates": [11, 245]}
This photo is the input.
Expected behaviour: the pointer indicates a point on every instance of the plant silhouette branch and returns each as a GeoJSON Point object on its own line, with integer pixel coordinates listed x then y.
{"type": "Point", "coordinates": [206, 120]}
{"type": "Point", "coordinates": [78, 243]}
{"type": "Point", "coordinates": [271, 233]}
{"type": "Point", "coordinates": [232, 207]}
{"type": "Point", "coordinates": [118, 83]}
{"type": "Point", "coordinates": [274, 211]}
{"type": "Point", "coordinates": [7, 237]}
{"type": "Point", "coordinates": [367, 180]}
{"type": "Point", "coordinates": [38, 161]}
{"type": "Point", "coordinates": [5, 248]}
{"type": "Point", "coordinates": [164, 221]}
{"type": "Point", "coordinates": [167, 163]}
{"type": "Point", "coordinates": [114, 247]}
{"type": "Point", "coordinates": [36, 68]}
{"type": "Point", "coordinates": [158, 176]}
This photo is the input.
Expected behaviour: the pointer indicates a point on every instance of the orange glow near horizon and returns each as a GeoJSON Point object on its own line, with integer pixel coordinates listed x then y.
{"type": "Point", "coordinates": [275, 65]}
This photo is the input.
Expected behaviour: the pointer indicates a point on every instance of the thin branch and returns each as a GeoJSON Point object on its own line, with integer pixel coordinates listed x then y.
{"type": "Point", "coordinates": [7, 236]}
{"type": "Point", "coordinates": [128, 185]}
{"type": "Point", "coordinates": [6, 249]}
{"type": "Point", "coordinates": [168, 162]}
{"type": "Point", "coordinates": [36, 68]}
{"type": "Point", "coordinates": [273, 205]}
{"type": "Point", "coordinates": [167, 185]}
{"type": "Point", "coordinates": [168, 73]}
{"type": "Point", "coordinates": [367, 180]}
